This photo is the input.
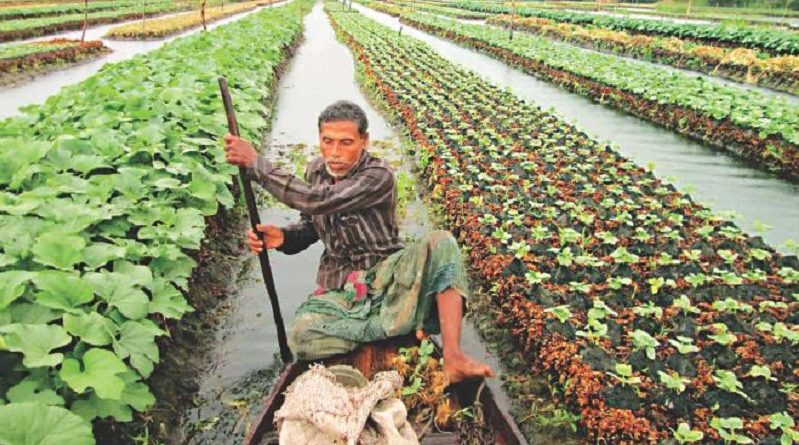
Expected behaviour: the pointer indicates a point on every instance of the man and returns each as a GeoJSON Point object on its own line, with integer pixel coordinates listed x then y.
{"type": "Point", "coordinates": [371, 287]}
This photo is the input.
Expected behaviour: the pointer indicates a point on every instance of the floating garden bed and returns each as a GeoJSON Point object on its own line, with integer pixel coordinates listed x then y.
{"type": "Point", "coordinates": [163, 27]}
{"type": "Point", "coordinates": [107, 212]}
{"type": "Point", "coordinates": [27, 59]}
{"type": "Point", "coordinates": [658, 320]}
{"type": "Point", "coordinates": [39, 26]}
{"type": "Point", "coordinates": [773, 41]}
{"type": "Point", "coordinates": [739, 64]}
{"type": "Point", "coordinates": [758, 128]}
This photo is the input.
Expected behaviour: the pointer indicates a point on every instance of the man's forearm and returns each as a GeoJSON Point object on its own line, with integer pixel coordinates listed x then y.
{"type": "Point", "coordinates": [297, 240]}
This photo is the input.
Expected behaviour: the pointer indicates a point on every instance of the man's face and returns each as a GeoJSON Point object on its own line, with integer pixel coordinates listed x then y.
{"type": "Point", "coordinates": [341, 146]}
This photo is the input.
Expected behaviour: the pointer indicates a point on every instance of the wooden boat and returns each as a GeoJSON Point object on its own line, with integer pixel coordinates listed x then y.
{"type": "Point", "coordinates": [375, 357]}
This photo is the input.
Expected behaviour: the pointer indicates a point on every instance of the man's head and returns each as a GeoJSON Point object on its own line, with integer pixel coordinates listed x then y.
{"type": "Point", "coordinates": [343, 136]}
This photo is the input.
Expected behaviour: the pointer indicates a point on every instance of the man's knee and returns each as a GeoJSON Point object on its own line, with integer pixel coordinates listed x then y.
{"type": "Point", "coordinates": [442, 239]}
{"type": "Point", "coordinates": [307, 342]}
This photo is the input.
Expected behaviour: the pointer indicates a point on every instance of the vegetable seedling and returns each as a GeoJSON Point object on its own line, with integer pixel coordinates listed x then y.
{"type": "Point", "coordinates": [684, 434]}
{"type": "Point", "coordinates": [674, 381]}
{"type": "Point", "coordinates": [642, 340]}
{"type": "Point", "coordinates": [624, 374]}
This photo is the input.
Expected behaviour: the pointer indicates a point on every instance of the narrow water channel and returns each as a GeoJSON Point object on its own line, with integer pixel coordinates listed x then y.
{"type": "Point", "coordinates": [39, 89]}
{"type": "Point", "coordinates": [718, 179]}
{"type": "Point", "coordinates": [244, 358]}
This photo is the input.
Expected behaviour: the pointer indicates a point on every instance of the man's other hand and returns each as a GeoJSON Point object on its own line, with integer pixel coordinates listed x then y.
{"type": "Point", "coordinates": [273, 235]}
{"type": "Point", "coordinates": [239, 152]}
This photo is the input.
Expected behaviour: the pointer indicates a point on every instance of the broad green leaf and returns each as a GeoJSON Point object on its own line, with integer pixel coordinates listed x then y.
{"type": "Point", "coordinates": [12, 285]}
{"type": "Point", "coordinates": [120, 291]}
{"type": "Point", "coordinates": [100, 369]}
{"type": "Point", "coordinates": [136, 393]}
{"type": "Point", "coordinates": [62, 290]}
{"type": "Point", "coordinates": [168, 301]}
{"type": "Point", "coordinates": [19, 158]}
{"type": "Point", "coordinates": [18, 234]}
{"type": "Point", "coordinates": [95, 407]}
{"type": "Point", "coordinates": [35, 342]}
{"type": "Point", "coordinates": [189, 228]}
{"type": "Point", "coordinates": [30, 391]}
{"type": "Point", "coordinates": [37, 424]}
{"type": "Point", "coordinates": [100, 254]}
{"type": "Point", "coordinates": [176, 270]}
{"type": "Point", "coordinates": [137, 341]}
{"type": "Point", "coordinates": [137, 274]}
{"type": "Point", "coordinates": [58, 250]}
{"type": "Point", "coordinates": [32, 313]}
{"type": "Point", "coordinates": [91, 327]}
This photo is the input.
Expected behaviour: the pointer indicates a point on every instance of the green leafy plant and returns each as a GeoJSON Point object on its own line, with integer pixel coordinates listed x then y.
{"type": "Point", "coordinates": [785, 424]}
{"type": "Point", "coordinates": [760, 371]}
{"type": "Point", "coordinates": [562, 312]}
{"type": "Point", "coordinates": [727, 381]}
{"type": "Point", "coordinates": [727, 429]}
{"type": "Point", "coordinates": [684, 345]}
{"type": "Point", "coordinates": [104, 193]}
{"type": "Point", "coordinates": [674, 381]}
{"type": "Point", "coordinates": [684, 304]}
{"type": "Point", "coordinates": [624, 374]}
{"type": "Point", "coordinates": [722, 335]}
{"type": "Point", "coordinates": [684, 434]}
{"type": "Point", "coordinates": [642, 340]}
{"type": "Point", "coordinates": [617, 283]}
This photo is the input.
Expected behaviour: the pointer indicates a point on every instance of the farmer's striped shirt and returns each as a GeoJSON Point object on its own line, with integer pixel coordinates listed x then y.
{"type": "Point", "coordinates": [355, 217]}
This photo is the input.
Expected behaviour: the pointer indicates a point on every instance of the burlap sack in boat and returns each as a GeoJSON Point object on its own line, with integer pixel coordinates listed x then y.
{"type": "Point", "coordinates": [319, 410]}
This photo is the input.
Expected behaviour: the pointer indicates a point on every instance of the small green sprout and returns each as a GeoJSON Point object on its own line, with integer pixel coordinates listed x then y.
{"type": "Point", "coordinates": [673, 380]}
{"type": "Point", "coordinates": [684, 345]}
{"type": "Point", "coordinates": [534, 277]}
{"type": "Point", "coordinates": [726, 428]}
{"type": "Point", "coordinates": [760, 371]}
{"type": "Point", "coordinates": [562, 312]}
{"type": "Point", "coordinates": [683, 303]}
{"type": "Point", "coordinates": [722, 335]}
{"type": "Point", "coordinates": [616, 283]}
{"type": "Point", "coordinates": [684, 434]}
{"type": "Point", "coordinates": [624, 374]}
{"type": "Point", "coordinates": [642, 340]}
{"type": "Point", "coordinates": [727, 381]}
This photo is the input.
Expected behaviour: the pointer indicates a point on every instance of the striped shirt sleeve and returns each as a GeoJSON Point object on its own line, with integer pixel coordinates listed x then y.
{"type": "Point", "coordinates": [365, 188]}
{"type": "Point", "coordinates": [298, 237]}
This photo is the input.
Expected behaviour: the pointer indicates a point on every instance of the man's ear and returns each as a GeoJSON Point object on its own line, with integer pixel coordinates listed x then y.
{"type": "Point", "coordinates": [365, 138]}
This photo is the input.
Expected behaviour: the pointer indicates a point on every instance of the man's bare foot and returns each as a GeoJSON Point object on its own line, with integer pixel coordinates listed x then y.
{"type": "Point", "coordinates": [459, 366]}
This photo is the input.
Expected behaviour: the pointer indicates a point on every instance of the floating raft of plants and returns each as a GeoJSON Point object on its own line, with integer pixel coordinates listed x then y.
{"type": "Point", "coordinates": [39, 56]}
{"type": "Point", "coordinates": [163, 27]}
{"type": "Point", "coordinates": [23, 12]}
{"type": "Point", "coordinates": [103, 211]}
{"type": "Point", "coordinates": [762, 129]}
{"type": "Point", "coordinates": [739, 64]}
{"type": "Point", "coordinates": [39, 26]}
{"type": "Point", "coordinates": [656, 319]}
{"type": "Point", "coordinates": [773, 41]}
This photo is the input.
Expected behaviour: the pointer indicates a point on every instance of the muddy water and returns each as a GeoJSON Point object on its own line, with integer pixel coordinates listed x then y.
{"type": "Point", "coordinates": [42, 87]}
{"type": "Point", "coordinates": [719, 180]}
{"type": "Point", "coordinates": [245, 357]}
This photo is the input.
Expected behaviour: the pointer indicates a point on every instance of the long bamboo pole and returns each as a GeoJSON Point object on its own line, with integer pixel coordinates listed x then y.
{"type": "Point", "coordinates": [252, 209]}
